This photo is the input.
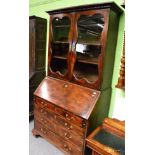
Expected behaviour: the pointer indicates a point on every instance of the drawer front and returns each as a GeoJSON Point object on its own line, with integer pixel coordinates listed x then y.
{"type": "Point", "coordinates": [61, 121]}
{"type": "Point", "coordinates": [69, 126]}
{"type": "Point", "coordinates": [70, 136]}
{"type": "Point", "coordinates": [45, 112]}
{"type": "Point", "coordinates": [71, 117]}
{"type": "Point", "coordinates": [66, 147]}
{"type": "Point", "coordinates": [43, 104]}
{"type": "Point", "coordinates": [45, 122]}
{"type": "Point", "coordinates": [63, 113]}
{"type": "Point", "coordinates": [66, 131]}
{"type": "Point", "coordinates": [44, 132]}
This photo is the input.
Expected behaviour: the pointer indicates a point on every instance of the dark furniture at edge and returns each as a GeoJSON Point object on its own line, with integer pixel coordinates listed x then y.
{"type": "Point", "coordinates": [37, 53]}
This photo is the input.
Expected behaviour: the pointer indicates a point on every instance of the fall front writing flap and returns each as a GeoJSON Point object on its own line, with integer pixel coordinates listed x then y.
{"type": "Point", "coordinates": [72, 97]}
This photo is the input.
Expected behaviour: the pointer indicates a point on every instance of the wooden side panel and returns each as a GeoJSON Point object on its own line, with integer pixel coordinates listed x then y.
{"type": "Point", "coordinates": [109, 57]}
{"type": "Point", "coordinates": [100, 111]}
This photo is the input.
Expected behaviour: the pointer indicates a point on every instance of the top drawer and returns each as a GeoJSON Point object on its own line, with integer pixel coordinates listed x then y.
{"type": "Point", "coordinates": [43, 104]}
{"type": "Point", "coordinates": [63, 113]}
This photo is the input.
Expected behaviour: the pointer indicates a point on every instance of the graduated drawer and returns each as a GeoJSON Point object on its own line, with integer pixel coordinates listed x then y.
{"type": "Point", "coordinates": [43, 104]}
{"type": "Point", "coordinates": [67, 147]}
{"type": "Point", "coordinates": [66, 131]}
{"type": "Point", "coordinates": [52, 116]}
{"type": "Point", "coordinates": [41, 129]}
{"type": "Point", "coordinates": [44, 121]}
{"type": "Point", "coordinates": [78, 121]}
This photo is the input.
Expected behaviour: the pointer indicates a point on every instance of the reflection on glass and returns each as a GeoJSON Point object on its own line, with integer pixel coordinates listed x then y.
{"type": "Point", "coordinates": [90, 28]}
{"type": "Point", "coordinates": [89, 34]}
{"type": "Point", "coordinates": [88, 47]}
{"type": "Point", "coordinates": [88, 53]}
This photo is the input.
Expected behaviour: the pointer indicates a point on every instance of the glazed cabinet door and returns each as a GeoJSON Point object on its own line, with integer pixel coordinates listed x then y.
{"type": "Point", "coordinates": [77, 45]}
{"type": "Point", "coordinates": [89, 44]}
{"type": "Point", "coordinates": [60, 41]}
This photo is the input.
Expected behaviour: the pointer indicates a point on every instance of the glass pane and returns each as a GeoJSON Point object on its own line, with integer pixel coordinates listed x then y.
{"type": "Point", "coordinates": [60, 49]}
{"type": "Point", "coordinates": [88, 53]}
{"type": "Point", "coordinates": [59, 65]}
{"type": "Point", "coordinates": [83, 70]}
{"type": "Point", "coordinates": [61, 28]}
{"type": "Point", "coordinates": [90, 28]}
{"type": "Point", "coordinates": [88, 47]}
{"type": "Point", "coordinates": [60, 44]}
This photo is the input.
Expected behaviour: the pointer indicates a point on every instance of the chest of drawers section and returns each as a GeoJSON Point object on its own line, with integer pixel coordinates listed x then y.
{"type": "Point", "coordinates": [70, 129]}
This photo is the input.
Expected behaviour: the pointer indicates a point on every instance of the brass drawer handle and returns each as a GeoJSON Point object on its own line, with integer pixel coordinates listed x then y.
{"type": "Point", "coordinates": [94, 93]}
{"type": "Point", "coordinates": [43, 121]}
{"type": "Point", "coordinates": [67, 136]}
{"type": "Point", "coordinates": [68, 127]}
{"type": "Point", "coordinates": [66, 124]}
{"type": "Point", "coordinates": [43, 104]}
{"type": "Point", "coordinates": [43, 112]}
{"type": "Point", "coordinates": [65, 85]}
{"type": "Point", "coordinates": [71, 127]}
{"type": "Point", "coordinates": [42, 130]}
{"type": "Point", "coordinates": [66, 115]}
{"type": "Point", "coordinates": [83, 124]}
{"type": "Point", "coordinates": [67, 148]}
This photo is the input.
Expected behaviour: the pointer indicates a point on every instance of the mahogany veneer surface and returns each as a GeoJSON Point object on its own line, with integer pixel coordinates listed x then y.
{"type": "Point", "coordinates": [72, 97]}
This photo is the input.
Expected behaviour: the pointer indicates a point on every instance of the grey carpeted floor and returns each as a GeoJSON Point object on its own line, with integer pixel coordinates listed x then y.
{"type": "Point", "coordinates": [39, 146]}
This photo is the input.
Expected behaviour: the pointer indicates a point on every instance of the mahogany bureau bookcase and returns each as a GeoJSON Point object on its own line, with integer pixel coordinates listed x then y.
{"type": "Point", "coordinates": [74, 98]}
{"type": "Point", "coordinates": [37, 52]}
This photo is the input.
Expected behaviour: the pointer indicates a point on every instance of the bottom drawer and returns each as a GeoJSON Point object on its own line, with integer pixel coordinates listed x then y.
{"type": "Point", "coordinates": [66, 147]}
{"type": "Point", "coordinates": [60, 130]}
